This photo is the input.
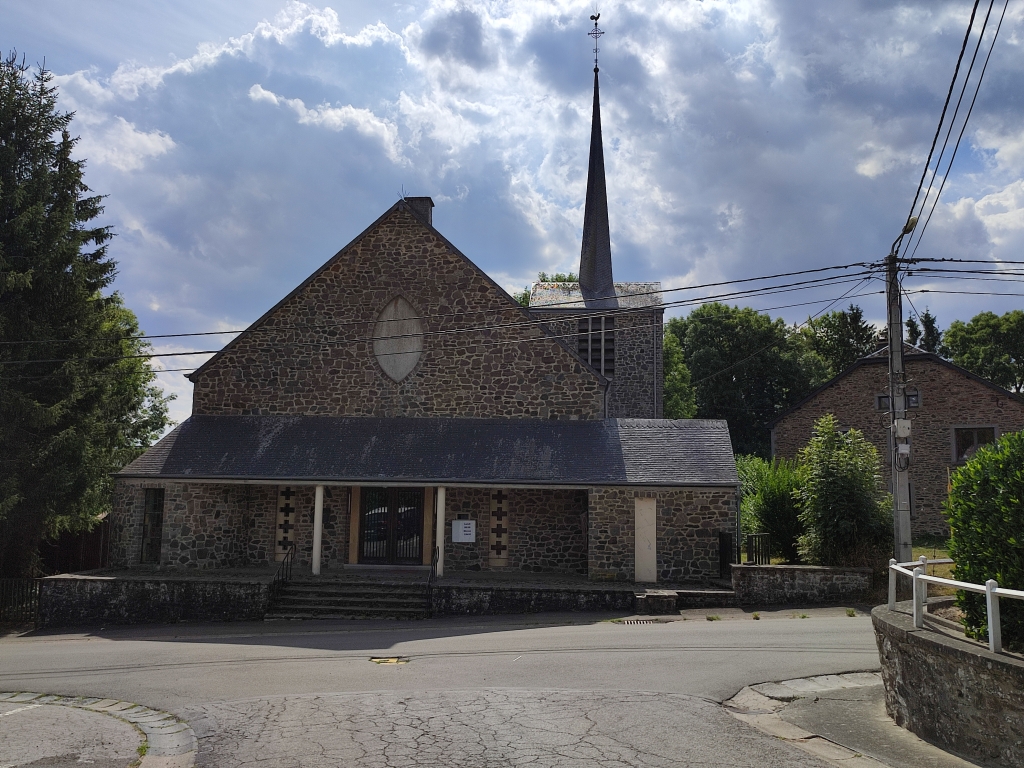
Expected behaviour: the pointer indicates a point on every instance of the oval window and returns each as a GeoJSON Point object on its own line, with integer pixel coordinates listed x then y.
{"type": "Point", "coordinates": [398, 338]}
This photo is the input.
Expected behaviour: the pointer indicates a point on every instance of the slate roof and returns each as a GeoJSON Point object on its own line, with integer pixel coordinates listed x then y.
{"type": "Point", "coordinates": [612, 452]}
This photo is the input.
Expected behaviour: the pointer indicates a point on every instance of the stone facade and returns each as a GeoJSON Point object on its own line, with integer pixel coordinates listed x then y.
{"type": "Point", "coordinates": [636, 387]}
{"type": "Point", "coordinates": [774, 584]}
{"type": "Point", "coordinates": [688, 521]}
{"type": "Point", "coordinates": [547, 530]}
{"type": "Point", "coordinates": [482, 357]}
{"type": "Point", "coordinates": [949, 398]}
{"type": "Point", "coordinates": [951, 691]}
{"type": "Point", "coordinates": [208, 525]}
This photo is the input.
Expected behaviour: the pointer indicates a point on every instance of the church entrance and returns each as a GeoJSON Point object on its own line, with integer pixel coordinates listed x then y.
{"type": "Point", "coordinates": [391, 526]}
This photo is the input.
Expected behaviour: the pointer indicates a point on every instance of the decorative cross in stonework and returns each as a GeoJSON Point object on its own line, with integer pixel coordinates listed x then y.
{"type": "Point", "coordinates": [499, 497]}
{"type": "Point", "coordinates": [498, 548]}
{"type": "Point", "coordinates": [497, 514]}
{"type": "Point", "coordinates": [287, 509]}
{"type": "Point", "coordinates": [287, 494]}
{"type": "Point", "coordinates": [284, 542]}
{"type": "Point", "coordinates": [499, 530]}
{"type": "Point", "coordinates": [286, 526]}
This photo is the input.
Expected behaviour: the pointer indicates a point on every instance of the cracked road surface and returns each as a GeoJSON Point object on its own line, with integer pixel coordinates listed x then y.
{"type": "Point", "coordinates": [62, 737]}
{"type": "Point", "coordinates": [539, 690]}
{"type": "Point", "coordinates": [477, 729]}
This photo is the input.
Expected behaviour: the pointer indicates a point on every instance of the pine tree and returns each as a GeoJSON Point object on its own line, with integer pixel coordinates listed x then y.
{"type": "Point", "coordinates": [76, 399]}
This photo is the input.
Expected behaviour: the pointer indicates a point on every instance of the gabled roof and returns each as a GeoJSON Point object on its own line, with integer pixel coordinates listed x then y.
{"type": "Point", "coordinates": [402, 205]}
{"type": "Point", "coordinates": [881, 357]}
{"type": "Point", "coordinates": [446, 451]}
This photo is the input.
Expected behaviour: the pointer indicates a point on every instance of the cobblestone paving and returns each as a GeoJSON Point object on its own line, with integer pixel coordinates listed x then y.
{"type": "Point", "coordinates": [484, 729]}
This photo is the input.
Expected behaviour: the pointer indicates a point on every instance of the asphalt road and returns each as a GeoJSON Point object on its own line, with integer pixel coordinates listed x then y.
{"type": "Point", "coordinates": [540, 690]}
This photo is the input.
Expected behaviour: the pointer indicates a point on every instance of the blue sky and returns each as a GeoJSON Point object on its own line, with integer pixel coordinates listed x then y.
{"type": "Point", "coordinates": [240, 145]}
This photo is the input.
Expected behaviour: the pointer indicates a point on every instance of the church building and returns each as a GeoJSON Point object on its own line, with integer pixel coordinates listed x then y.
{"type": "Point", "coordinates": [399, 408]}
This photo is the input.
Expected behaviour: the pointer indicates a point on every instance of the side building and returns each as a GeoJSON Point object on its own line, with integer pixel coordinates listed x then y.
{"type": "Point", "coordinates": [953, 412]}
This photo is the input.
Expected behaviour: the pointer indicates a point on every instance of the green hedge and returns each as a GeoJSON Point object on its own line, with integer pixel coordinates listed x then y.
{"type": "Point", "coordinates": [846, 515]}
{"type": "Point", "coordinates": [986, 519]}
{"type": "Point", "coordinates": [769, 502]}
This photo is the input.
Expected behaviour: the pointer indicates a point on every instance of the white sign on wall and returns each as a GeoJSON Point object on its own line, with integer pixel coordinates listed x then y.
{"type": "Point", "coordinates": [463, 531]}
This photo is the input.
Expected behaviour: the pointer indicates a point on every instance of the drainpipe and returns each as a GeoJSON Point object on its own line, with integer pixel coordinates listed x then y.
{"type": "Point", "coordinates": [318, 528]}
{"type": "Point", "coordinates": [439, 534]}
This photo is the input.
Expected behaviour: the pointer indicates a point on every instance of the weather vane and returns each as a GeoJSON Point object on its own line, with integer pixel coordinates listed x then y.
{"type": "Point", "coordinates": [596, 34]}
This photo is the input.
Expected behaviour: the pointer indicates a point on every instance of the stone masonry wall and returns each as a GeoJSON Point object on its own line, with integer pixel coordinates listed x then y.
{"type": "Point", "coordinates": [688, 519]}
{"type": "Point", "coordinates": [313, 354]}
{"type": "Point", "coordinates": [547, 530]}
{"type": "Point", "coordinates": [636, 387]}
{"type": "Point", "coordinates": [210, 525]}
{"type": "Point", "coordinates": [948, 399]}
{"type": "Point", "coordinates": [951, 691]}
{"type": "Point", "coordinates": [773, 584]}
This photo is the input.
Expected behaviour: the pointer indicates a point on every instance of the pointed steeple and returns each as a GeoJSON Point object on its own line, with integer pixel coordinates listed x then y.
{"type": "Point", "coordinates": [596, 282]}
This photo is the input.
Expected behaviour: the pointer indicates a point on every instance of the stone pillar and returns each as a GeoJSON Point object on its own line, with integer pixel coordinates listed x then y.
{"type": "Point", "coordinates": [439, 535]}
{"type": "Point", "coordinates": [318, 528]}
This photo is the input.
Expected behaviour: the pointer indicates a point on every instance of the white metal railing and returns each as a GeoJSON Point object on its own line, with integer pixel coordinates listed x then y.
{"type": "Point", "coordinates": [921, 580]}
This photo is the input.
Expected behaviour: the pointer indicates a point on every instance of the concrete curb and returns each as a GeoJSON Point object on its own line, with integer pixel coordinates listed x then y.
{"type": "Point", "coordinates": [170, 742]}
{"type": "Point", "coordinates": [759, 705]}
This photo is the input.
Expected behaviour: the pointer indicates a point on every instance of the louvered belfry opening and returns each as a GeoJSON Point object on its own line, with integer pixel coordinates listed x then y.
{"type": "Point", "coordinates": [597, 343]}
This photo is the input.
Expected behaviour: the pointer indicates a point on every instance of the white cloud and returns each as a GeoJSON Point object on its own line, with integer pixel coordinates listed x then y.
{"type": "Point", "coordinates": [337, 119]}
{"type": "Point", "coordinates": [120, 144]}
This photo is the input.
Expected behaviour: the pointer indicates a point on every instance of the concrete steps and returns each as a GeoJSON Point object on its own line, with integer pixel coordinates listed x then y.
{"type": "Point", "coordinates": [309, 600]}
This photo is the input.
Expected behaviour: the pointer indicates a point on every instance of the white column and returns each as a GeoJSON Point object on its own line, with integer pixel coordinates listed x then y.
{"type": "Point", "coordinates": [439, 532]}
{"type": "Point", "coordinates": [318, 528]}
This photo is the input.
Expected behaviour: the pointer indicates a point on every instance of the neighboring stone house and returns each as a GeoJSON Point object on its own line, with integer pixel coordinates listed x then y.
{"type": "Point", "coordinates": [399, 400]}
{"type": "Point", "coordinates": [952, 410]}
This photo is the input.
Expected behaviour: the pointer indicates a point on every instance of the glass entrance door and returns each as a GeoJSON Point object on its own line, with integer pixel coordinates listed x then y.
{"type": "Point", "coordinates": [391, 526]}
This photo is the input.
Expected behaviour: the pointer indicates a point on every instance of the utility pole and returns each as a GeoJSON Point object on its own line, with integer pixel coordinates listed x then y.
{"type": "Point", "coordinates": [899, 424]}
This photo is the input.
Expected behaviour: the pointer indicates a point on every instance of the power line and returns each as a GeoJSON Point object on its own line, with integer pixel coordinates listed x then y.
{"type": "Point", "coordinates": [956, 111]}
{"type": "Point", "coordinates": [767, 290]}
{"type": "Point", "coordinates": [963, 128]}
{"type": "Point", "coordinates": [572, 304]}
{"type": "Point", "coordinates": [750, 293]}
{"type": "Point", "coordinates": [942, 117]}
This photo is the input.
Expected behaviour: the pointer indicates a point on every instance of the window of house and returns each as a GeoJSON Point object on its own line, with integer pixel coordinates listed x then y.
{"type": "Point", "coordinates": [597, 343]}
{"type": "Point", "coordinates": [967, 440]}
{"type": "Point", "coordinates": [152, 525]}
{"type": "Point", "coordinates": [913, 400]}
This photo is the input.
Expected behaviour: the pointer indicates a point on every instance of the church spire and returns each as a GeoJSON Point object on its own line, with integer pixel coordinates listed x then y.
{"type": "Point", "coordinates": [596, 282]}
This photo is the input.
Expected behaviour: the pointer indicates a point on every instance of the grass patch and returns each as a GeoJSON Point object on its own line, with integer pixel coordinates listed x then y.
{"type": "Point", "coordinates": [713, 617]}
{"type": "Point", "coordinates": [851, 612]}
{"type": "Point", "coordinates": [143, 748]}
{"type": "Point", "coordinates": [935, 548]}
{"type": "Point", "coordinates": [756, 616]}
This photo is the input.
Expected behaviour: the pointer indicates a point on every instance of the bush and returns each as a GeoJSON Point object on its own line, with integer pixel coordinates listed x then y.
{"type": "Point", "coordinates": [846, 516]}
{"type": "Point", "coordinates": [769, 505]}
{"type": "Point", "coordinates": [986, 519]}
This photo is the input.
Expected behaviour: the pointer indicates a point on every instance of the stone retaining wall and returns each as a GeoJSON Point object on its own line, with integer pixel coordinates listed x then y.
{"type": "Point", "coordinates": [774, 584]}
{"type": "Point", "coordinates": [67, 601]}
{"type": "Point", "coordinates": [951, 691]}
{"type": "Point", "coordinates": [478, 601]}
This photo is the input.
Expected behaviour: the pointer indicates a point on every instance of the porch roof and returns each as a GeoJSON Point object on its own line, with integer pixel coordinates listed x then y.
{"type": "Point", "coordinates": [443, 451]}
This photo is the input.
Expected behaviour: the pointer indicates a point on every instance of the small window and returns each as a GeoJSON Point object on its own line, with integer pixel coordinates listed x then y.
{"type": "Point", "coordinates": [913, 400]}
{"type": "Point", "coordinates": [967, 441]}
{"type": "Point", "coordinates": [152, 525]}
{"type": "Point", "coordinates": [597, 343]}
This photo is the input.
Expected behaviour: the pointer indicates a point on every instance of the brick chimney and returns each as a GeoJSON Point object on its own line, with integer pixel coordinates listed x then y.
{"type": "Point", "coordinates": [422, 206]}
